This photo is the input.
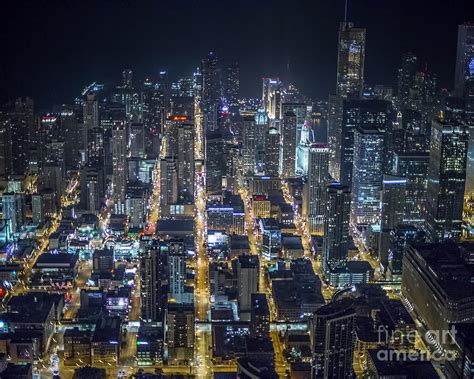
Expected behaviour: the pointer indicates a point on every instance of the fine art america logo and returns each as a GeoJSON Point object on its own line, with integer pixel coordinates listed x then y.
{"type": "Point", "coordinates": [438, 338]}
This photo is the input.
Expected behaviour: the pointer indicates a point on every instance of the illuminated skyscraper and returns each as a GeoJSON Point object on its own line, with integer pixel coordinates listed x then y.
{"type": "Point", "coordinates": [185, 154]}
{"type": "Point", "coordinates": [288, 145]}
{"type": "Point", "coordinates": [367, 114]}
{"type": "Point", "coordinates": [336, 226]}
{"type": "Point", "coordinates": [272, 152]}
{"type": "Point", "coordinates": [215, 163]}
{"type": "Point", "coordinates": [269, 87]}
{"type": "Point", "coordinates": [392, 212]}
{"type": "Point", "coordinates": [211, 90]}
{"type": "Point", "coordinates": [350, 60]}
{"type": "Point", "coordinates": [90, 115]}
{"type": "Point", "coordinates": [249, 145]}
{"type": "Point", "coordinates": [176, 253]}
{"type": "Point", "coordinates": [367, 175]}
{"type": "Point", "coordinates": [119, 162]}
{"type": "Point", "coordinates": [446, 179]}
{"type": "Point", "coordinates": [332, 335]}
{"type": "Point", "coordinates": [153, 279]}
{"type": "Point", "coordinates": [464, 59]}
{"type": "Point", "coordinates": [406, 77]}
{"type": "Point", "coordinates": [169, 181]}
{"type": "Point", "coordinates": [136, 140]}
{"type": "Point", "coordinates": [232, 84]}
{"type": "Point", "coordinates": [314, 195]}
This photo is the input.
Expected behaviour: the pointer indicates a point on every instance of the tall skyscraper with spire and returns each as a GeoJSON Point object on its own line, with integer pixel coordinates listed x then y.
{"type": "Point", "coordinates": [350, 60]}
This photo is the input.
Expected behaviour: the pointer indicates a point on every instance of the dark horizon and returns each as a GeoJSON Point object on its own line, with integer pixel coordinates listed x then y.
{"type": "Point", "coordinates": [52, 49]}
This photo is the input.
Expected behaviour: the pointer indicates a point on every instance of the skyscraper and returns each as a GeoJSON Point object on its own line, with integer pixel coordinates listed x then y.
{"type": "Point", "coordinates": [446, 179]}
{"type": "Point", "coordinates": [247, 270]}
{"type": "Point", "coordinates": [185, 154]}
{"type": "Point", "coordinates": [392, 212]}
{"type": "Point", "coordinates": [232, 84]}
{"type": "Point", "coordinates": [176, 253]}
{"type": "Point", "coordinates": [288, 145]}
{"type": "Point", "coordinates": [332, 335]}
{"type": "Point", "coordinates": [350, 60]}
{"type": "Point", "coordinates": [169, 181]}
{"type": "Point", "coordinates": [136, 140]}
{"type": "Point", "coordinates": [314, 195]}
{"type": "Point", "coordinates": [464, 59]}
{"type": "Point", "coordinates": [153, 279]}
{"type": "Point", "coordinates": [249, 145]}
{"type": "Point", "coordinates": [413, 167]}
{"type": "Point", "coordinates": [90, 116]}
{"type": "Point", "coordinates": [211, 90]}
{"type": "Point", "coordinates": [272, 152]}
{"type": "Point", "coordinates": [406, 77]}
{"type": "Point", "coordinates": [215, 163]}
{"type": "Point", "coordinates": [367, 175]}
{"type": "Point", "coordinates": [336, 226]}
{"type": "Point", "coordinates": [13, 204]}
{"type": "Point", "coordinates": [269, 87]}
{"type": "Point", "coordinates": [119, 161]}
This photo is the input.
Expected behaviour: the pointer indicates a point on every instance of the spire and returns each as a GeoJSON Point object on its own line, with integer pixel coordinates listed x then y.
{"type": "Point", "coordinates": [345, 10]}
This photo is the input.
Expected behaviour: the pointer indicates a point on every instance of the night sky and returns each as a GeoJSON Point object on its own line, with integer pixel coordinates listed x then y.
{"type": "Point", "coordinates": [50, 49]}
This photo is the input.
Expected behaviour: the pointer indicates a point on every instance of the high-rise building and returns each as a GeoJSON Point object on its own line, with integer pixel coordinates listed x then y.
{"type": "Point", "coordinates": [269, 87]}
{"type": "Point", "coordinates": [336, 226]}
{"type": "Point", "coordinates": [436, 282]}
{"type": "Point", "coordinates": [249, 145]}
{"type": "Point", "coordinates": [119, 162]}
{"type": "Point", "coordinates": [211, 91]}
{"type": "Point", "coordinates": [272, 152]}
{"type": "Point", "coordinates": [37, 208]}
{"type": "Point", "coordinates": [95, 147]}
{"type": "Point", "coordinates": [392, 212]}
{"type": "Point", "coordinates": [367, 176]}
{"type": "Point", "coordinates": [180, 332]}
{"type": "Point", "coordinates": [13, 210]}
{"type": "Point", "coordinates": [247, 271]}
{"type": "Point", "coordinates": [153, 279]}
{"type": "Point", "coordinates": [314, 195]}
{"type": "Point", "coordinates": [464, 59]}
{"type": "Point", "coordinates": [334, 135]}
{"type": "Point", "coordinates": [169, 181]}
{"type": "Point", "coordinates": [332, 335]}
{"type": "Point", "coordinates": [90, 116]}
{"type": "Point", "coordinates": [92, 183]}
{"type": "Point", "coordinates": [232, 84]}
{"type": "Point", "coordinates": [259, 315]}
{"type": "Point", "coordinates": [414, 168]}
{"type": "Point", "coordinates": [350, 60]}
{"type": "Point", "coordinates": [215, 163]}
{"type": "Point", "coordinates": [176, 252]}
{"type": "Point", "coordinates": [367, 114]}
{"type": "Point", "coordinates": [288, 145]}
{"type": "Point", "coordinates": [406, 78]}
{"type": "Point", "coordinates": [17, 137]}
{"type": "Point", "coordinates": [446, 179]}
{"type": "Point", "coordinates": [185, 154]}
{"type": "Point", "coordinates": [136, 140]}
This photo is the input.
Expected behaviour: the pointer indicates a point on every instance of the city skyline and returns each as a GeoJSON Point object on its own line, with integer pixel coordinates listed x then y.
{"type": "Point", "coordinates": [302, 38]}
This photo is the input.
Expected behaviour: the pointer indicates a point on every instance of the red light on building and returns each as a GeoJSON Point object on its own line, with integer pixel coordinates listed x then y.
{"type": "Point", "coordinates": [3, 292]}
{"type": "Point", "coordinates": [259, 198]}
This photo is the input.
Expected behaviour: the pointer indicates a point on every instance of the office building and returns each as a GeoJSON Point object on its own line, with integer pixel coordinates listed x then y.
{"type": "Point", "coordinates": [215, 163]}
{"type": "Point", "coordinates": [336, 226]}
{"type": "Point", "coordinates": [314, 195]}
{"type": "Point", "coordinates": [367, 114]}
{"type": "Point", "coordinates": [436, 282]}
{"type": "Point", "coordinates": [350, 60]}
{"type": "Point", "coordinates": [446, 179]}
{"type": "Point", "coordinates": [180, 332]}
{"type": "Point", "coordinates": [247, 272]}
{"type": "Point", "coordinates": [249, 146]}
{"type": "Point", "coordinates": [232, 84]}
{"type": "Point", "coordinates": [119, 161]}
{"type": "Point", "coordinates": [259, 315]}
{"type": "Point", "coordinates": [392, 212]}
{"type": "Point", "coordinates": [153, 279]}
{"type": "Point", "coordinates": [185, 155]}
{"type": "Point", "coordinates": [37, 209]}
{"type": "Point", "coordinates": [272, 152]}
{"type": "Point", "coordinates": [332, 335]}
{"type": "Point", "coordinates": [288, 145]}
{"type": "Point", "coordinates": [367, 176]}
{"type": "Point", "coordinates": [13, 210]}
{"type": "Point", "coordinates": [414, 168]}
{"type": "Point", "coordinates": [176, 252]}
